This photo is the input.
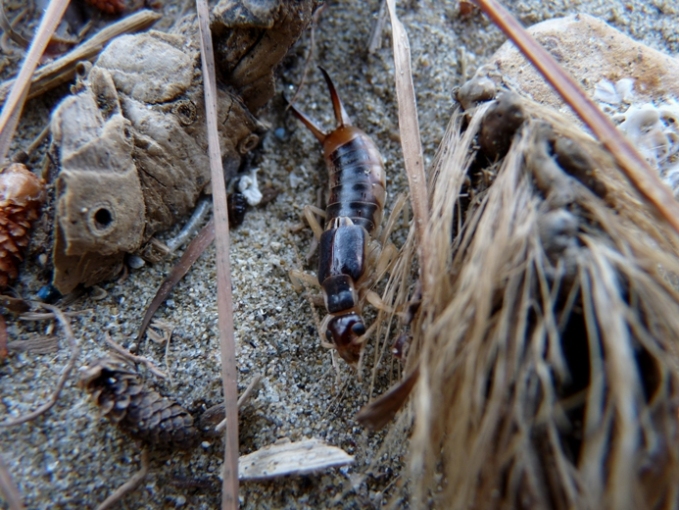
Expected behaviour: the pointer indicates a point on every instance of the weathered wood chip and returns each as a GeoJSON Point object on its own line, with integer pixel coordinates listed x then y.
{"type": "Point", "coordinates": [287, 458]}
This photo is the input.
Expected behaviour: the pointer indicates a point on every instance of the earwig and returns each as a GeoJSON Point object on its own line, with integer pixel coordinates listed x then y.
{"type": "Point", "coordinates": [348, 246]}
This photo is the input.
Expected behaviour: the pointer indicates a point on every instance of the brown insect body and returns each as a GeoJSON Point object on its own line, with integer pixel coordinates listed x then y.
{"type": "Point", "coordinates": [357, 186]}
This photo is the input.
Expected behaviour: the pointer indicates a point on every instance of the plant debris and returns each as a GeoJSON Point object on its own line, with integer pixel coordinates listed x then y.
{"type": "Point", "coordinates": [285, 458]}
{"type": "Point", "coordinates": [120, 393]}
{"type": "Point", "coordinates": [21, 196]}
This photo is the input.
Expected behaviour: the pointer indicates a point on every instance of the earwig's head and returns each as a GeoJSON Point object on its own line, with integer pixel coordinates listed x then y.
{"type": "Point", "coordinates": [344, 332]}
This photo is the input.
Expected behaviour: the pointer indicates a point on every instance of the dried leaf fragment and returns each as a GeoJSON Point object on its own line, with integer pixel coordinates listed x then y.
{"type": "Point", "coordinates": [287, 458]}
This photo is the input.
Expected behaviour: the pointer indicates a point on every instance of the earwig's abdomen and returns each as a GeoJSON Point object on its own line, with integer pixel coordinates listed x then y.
{"type": "Point", "coordinates": [356, 178]}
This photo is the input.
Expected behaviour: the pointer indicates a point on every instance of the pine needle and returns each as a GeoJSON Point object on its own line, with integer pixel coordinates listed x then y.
{"type": "Point", "coordinates": [224, 297]}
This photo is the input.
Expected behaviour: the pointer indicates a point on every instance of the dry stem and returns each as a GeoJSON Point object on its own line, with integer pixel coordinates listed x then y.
{"type": "Point", "coordinates": [224, 297]}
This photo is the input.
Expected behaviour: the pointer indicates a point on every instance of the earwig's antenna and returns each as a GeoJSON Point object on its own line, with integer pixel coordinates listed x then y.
{"type": "Point", "coordinates": [340, 113]}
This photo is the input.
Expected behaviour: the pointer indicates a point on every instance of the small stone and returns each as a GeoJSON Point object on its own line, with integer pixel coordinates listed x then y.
{"type": "Point", "coordinates": [135, 262]}
{"type": "Point", "coordinates": [607, 53]}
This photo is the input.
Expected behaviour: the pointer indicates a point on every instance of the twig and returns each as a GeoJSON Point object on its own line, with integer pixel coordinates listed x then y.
{"type": "Point", "coordinates": [410, 139]}
{"type": "Point", "coordinates": [646, 181]}
{"type": "Point", "coordinates": [130, 485]}
{"type": "Point", "coordinates": [11, 110]}
{"type": "Point", "coordinates": [38, 140]}
{"type": "Point", "coordinates": [8, 489]}
{"type": "Point", "coordinates": [8, 28]}
{"type": "Point", "coordinates": [133, 358]}
{"type": "Point", "coordinates": [63, 69]}
{"type": "Point", "coordinates": [242, 399]}
{"type": "Point", "coordinates": [75, 350]}
{"type": "Point", "coordinates": [189, 230]}
{"type": "Point", "coordinates": [224, 297]}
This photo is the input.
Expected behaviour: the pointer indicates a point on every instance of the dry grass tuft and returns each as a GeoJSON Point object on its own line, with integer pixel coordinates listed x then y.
{"type": "Point", "coordinates": [547, 348]}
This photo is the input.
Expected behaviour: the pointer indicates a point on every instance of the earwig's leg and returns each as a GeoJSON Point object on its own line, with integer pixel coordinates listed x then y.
{"type": "Point", "coordinates": [316, 299]}
{"type": "Point", "coordinates": [374, 299]}
{"type": "Point", "coordinates": [312, 249]}
{"type": "Point", "coordinates": [309, 213]}
{"type": "Point", "coordinates": [299, 278]}
{"type": "Point", "coordinates": [399, 204]}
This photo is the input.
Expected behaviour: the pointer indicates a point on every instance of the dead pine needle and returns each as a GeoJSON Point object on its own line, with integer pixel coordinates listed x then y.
{"type": "Point", "coordinates": [75, 351]}
{"type": "Point", "coordinates": [3, 338]}
{"type": "Point", "coordinates": [129, 486]}
{"type": "Point", "coordinates": [64, 68]}
{"type": "Point", "coordinates": [224, 297]}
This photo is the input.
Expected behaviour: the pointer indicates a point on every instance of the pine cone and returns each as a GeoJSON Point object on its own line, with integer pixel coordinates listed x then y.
{"type": "Point", "coordinates": [142, 413]}
{"type": "Point", "coordinates": [21, 195]}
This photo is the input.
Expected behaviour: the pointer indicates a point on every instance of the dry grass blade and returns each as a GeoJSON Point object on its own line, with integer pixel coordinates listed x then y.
{"type": "Point", "coordinates": [75, 350]}
{"type": "Point", "coordinates": [8, 489]}
{"type": "Point", "coordinates": [63, 69]}
{"type": "Point", "coordinates": [645, 180]}
{"type": "Point", "coordinates": [224, 297]}
{"type": "Point", "coordinates": [194, 250]}
{"type": "Point", "coordinates": [128, 486]}
{"type": "Point", "coordinates": [410, 137]}
{"type": "Point", "coordinates": [11, 110]}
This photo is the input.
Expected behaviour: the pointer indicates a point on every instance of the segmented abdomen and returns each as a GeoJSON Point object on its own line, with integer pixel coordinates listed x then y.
{"type": "Point", "coordinates": [357, 183]}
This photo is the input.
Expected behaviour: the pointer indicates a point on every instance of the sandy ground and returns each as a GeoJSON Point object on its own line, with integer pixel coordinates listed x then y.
{"type": "Point", "coordinates": [72, 458]}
